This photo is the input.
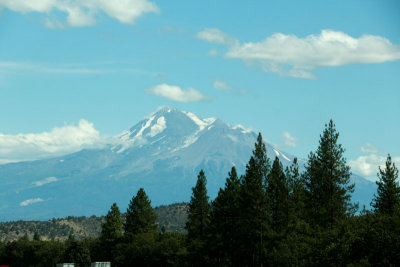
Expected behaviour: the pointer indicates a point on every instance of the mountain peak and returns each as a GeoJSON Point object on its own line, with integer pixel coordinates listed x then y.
{"type": "Point", "coordinates": [164, 109]}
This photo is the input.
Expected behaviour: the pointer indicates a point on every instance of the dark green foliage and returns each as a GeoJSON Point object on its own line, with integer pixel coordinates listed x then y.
{"type": "Point", "coordinates": [140, 217]}
{"type": "Point", "coordinates": [111, 229]}
{"type": "Point", "coordinates": [31, 253]}
{"type": "Point", "coordinates": [328, 181]}
{"type": "Point", "coordinates": [111, 232]}
{"type": "Point", "coordinates": [36, 236]}
{"type": "Point", "coordinates": [171, 249]}
{"type": "Point", "coordinates": [139, 251]}
{"type": "Point", "coordinates": [198, 219]}
{"type": "Point", "coordinates": [297, 192]}
{"type": "Point", "coordinates": [278, 197]}
{"type": "Point", "coordinates": [253, 221]}
{"type": "Point", "coordinates": [77, 253]}
{"type": "Point", "coordinates": [151, 249]}
{"type": "Point", "coordinates": [388, 199]}
{"type": "Point", "coordinates": [223, 230]}
{"type": "Point", "coordinates": [199, 209]}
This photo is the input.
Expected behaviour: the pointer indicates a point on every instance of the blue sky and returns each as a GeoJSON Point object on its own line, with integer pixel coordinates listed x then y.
{"type": "Point", "coordinates": [72, 72]}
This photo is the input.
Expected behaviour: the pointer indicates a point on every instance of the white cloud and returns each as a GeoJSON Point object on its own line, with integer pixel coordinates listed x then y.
{"type": "Point", "coordinates": [289, 55]}
{"type": "Point", "coordinates": [82, 13]}
{"type": "Point", "coordinates": [176, 93]}
{"type": "Point", "coordinates": [45, 181]}
{"type": "Point", "coordinates": [222, 85]}
{"type": "Point", "coordinates": [368, 165]}
{"type": "Point", "coordinates": [30, 201]}
{"type": "Point", "coordinates": [217, 36]}
{"type": "Point", "coordinates": [59, 141]}
{"type": "Point", "coordinates": [288, 139]}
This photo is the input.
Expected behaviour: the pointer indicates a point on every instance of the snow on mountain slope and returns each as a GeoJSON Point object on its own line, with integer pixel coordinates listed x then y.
{"type": "Point", "coordinates": [162, 153]}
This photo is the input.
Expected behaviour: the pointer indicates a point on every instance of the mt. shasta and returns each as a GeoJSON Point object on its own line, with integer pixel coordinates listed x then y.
{"type": "Point", "coordinates": [162, 153]}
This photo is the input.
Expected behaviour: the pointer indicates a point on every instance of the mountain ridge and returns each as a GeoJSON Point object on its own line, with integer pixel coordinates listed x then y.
{"type": "Point", "coordinates": [162, 153]}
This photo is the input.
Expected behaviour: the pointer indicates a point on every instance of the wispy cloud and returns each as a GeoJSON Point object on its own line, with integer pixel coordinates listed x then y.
{"type": "Point", "coordinates": [167, 29]}
{"type": "Point", "coordinates": [82, 13]}
{"type": "Point", "coordinates": [16, 67]}
{"type": "Point", "coordinates": [10, 66]}
{"type": "Point", "coordinates": [222, 85]}
{"type": "Point", "coordinates": [59, 141]}
{"type": "Point", "coordinates": [369, 164]}
{"type": "Point", "coordinates": [217, 36]}
{"type": "Point", "coordinates": [45, 181]}
{"type": "Point", "coordinates": [290, 55]}
{"type": "Point", "coordinates": [30, 201]}
{"type": "Point", "coordinates": [176, 93]}
{"type": "Point", "coordinates": [289, 140]}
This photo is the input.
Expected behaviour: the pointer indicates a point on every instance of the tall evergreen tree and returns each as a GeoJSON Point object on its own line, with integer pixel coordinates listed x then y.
{"type": "Point", "coordinates": [198, 220]}
{"type": "Point", "coordinates": [199, 209]}
{"type": "Point", "coordinates": [111, 229]}
{"type": "Point", "coordinates": [278, 197]}
{"type": "Point", "coordinates": [111, 232]}
{"type": "Point", "coordinates": [140, 216]}
{"type": "Point", "coordinates": [223, 227]}
{"type": "Point", "coordinates": [388, 199]}
{"type": "Point", "coordinates": [328, 181]}
{"type": "Point", "coordinates": [253, 221]}
{"type": "Point", "coordinates": [296, 186]}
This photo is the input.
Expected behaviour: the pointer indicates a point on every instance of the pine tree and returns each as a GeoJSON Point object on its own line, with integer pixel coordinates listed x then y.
{"type": "Point", "coordinates": [199, 209]}
{"type": "Point", "coordinates": [140, 217]}
{"type": "Point", "coordinates": [223, 223]}
{"type": "Point", "coordinates": [278, 197]}
{"type": "Point", "coordinates": [198, 220]}
{"type": "Point", "coordinates": [111, 232]}
{"type": "Point", "coordinates": [296, 186]}
{"type": "Point", "coordinates": [388, 199]}
{"type": "Point", "coordinates": [253, 221]}
{"type": "Point", "coordinates": [111, 229]}
{"type": "Point", "coordinates": [328, 181]}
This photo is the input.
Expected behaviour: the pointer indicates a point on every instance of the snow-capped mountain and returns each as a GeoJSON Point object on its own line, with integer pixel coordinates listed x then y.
{"type": "Point", "coordinates": [162, 153]}
{"type": "Point", "coordinates": [186, 141]}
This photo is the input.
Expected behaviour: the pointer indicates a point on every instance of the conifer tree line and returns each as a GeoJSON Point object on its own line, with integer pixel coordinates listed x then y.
{"type": "Point", "coordinates": [275, 216]}
{"type": "Point", "coordinates": [268, 216]}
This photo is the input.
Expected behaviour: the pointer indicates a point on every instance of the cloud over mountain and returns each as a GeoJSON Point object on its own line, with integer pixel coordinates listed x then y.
{"type": "Point", "coordinates": [369, 163]}
{"type": "Point", "coordinates": [58, 141]}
